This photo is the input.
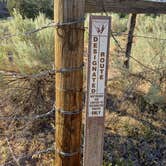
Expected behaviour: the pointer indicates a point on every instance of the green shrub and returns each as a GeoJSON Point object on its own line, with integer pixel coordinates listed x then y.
{"type": "Point", "coordinates": [31, 53]}
{"type": "Point", "coordinates": [149, 51]}
{"type": "Point", "coordinates": [31, 8]}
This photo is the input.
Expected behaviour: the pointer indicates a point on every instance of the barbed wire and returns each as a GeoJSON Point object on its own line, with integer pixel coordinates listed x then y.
{"type": "Point", "coordinates": [35, 117]}
{"type": "Point", "coordinates": [130, 88]}
{"type": "Point", "coordinates": [135, 59]}
{"type": "Point", "coordinates": [51, 24]}
{"type": "Point", "coordinates": [44, 74]}
{"type": "Point", "coordinates": [53, 72]}
{"type": "Point", "coordinates": [140, 63]}
{"type": "Point", "coordinates": [138, 36]}
{"type": "Point", "coordinates": [114, 34]}
{"type": "Point", "coordinates": [63, 70]}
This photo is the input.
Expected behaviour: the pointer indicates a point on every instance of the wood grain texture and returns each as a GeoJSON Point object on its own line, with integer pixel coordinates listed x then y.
{"type": "Point", "coordinates": [94, 126]}
{"type": "Point", "coordinates": [124, 6]}
{"type": "Point", "coordinates": [69, 45]}
{"type": "Point", "coordinates": [93, 154]}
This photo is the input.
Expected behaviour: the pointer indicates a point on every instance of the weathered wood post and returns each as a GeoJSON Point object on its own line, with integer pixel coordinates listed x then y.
{"type": "Point", "coordinates": [131, 27]}
{"type": "Point", "coordinates": [69, 45]}
{"type": "Point", "coordinates": [99, 37]}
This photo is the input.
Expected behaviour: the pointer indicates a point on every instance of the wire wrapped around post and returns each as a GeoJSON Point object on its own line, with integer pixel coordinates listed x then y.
{"type": "Point", "coordinates": [69, 50]}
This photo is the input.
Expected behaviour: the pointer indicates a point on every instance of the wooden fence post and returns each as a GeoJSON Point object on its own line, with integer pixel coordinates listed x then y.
{"type": "Point", "coordinates": [69, 45]}
{"type": "Point", "coordinates": [131, 27]}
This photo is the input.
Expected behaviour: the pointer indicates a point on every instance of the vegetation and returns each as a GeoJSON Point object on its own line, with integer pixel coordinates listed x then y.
{"type": "Point", "coordinates": [154, 49]}
{"type": "Point", "coordinates": [31, 8]}
{"type": "Point", "coordinates": [31, 53]}
{"type": "Point", "coordinates": [22, 96]}
{"type": "Point", "coordinates": [137, 100]}
{"type": "Point", "coordinates": [136, 105]}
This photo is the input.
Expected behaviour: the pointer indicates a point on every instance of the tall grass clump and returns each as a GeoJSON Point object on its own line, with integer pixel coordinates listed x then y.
{"type": "Point", "coordinates": [31, 53]}
{"type": "Point", "coordinates": [151, 52]}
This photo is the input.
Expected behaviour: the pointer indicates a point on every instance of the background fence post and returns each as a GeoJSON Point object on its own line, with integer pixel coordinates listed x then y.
{"type": "Point", "coordinates": [69, 47]}
{"type": "Point", "coordinates": [130, 31]}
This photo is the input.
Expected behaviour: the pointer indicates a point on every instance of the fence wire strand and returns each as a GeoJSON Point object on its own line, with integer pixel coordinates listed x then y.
{"type": "Point", "coordinates": [139, 36]}
{"type": "Point", "coordinates": [53, 72]}
{"type": "Point", "coordinates": [29, 118]}
{"type": "Point", "coordinates": [51, 24]}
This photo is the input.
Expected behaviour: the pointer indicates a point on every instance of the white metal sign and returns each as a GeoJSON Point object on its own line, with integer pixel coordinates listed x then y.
{"type": "Point", "coordinates": [97, 64]}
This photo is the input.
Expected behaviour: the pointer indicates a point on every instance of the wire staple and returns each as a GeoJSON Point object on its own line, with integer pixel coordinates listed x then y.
{"type": "Point", "coordinates": [69, 112]}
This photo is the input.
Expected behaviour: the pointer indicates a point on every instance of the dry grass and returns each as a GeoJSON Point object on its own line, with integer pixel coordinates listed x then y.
{"type": "Point", "coordinates": [133, 137]}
